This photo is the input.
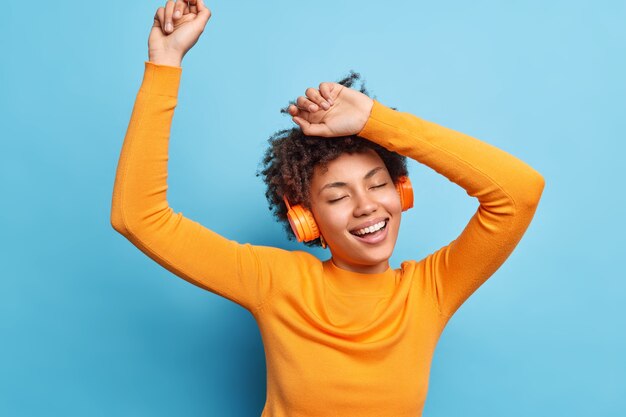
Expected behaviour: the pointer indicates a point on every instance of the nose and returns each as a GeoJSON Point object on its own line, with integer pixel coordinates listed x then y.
{"type": "Point", "coordinates": [365, 204]}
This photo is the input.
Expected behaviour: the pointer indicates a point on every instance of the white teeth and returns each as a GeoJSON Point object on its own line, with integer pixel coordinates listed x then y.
{"type": "Point", "coordinates": [370, 229]}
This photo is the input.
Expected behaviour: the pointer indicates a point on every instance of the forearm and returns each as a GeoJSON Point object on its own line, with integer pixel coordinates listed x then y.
{"type": "Point", "coordinates": [490, 174]}
{"type": "Point", "coordinates": [507, 188]}
{"type": "Point", "coordinates": [141, 180]}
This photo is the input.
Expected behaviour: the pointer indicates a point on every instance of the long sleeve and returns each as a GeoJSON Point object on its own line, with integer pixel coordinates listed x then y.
{"type": "Point", "coordinates": [141, 213]}
{"type": "Point", "coordinates": [508, 191]}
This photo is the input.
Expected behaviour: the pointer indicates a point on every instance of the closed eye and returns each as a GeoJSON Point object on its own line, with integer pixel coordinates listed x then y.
{"type": "Point", "coordinates": [380, 186]}
{"type": "Point", "coordinates": [336, 199]}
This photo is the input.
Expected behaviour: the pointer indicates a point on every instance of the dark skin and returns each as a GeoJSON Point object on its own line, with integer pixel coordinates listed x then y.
{"type": "Point", "coordinates": [331, 110]}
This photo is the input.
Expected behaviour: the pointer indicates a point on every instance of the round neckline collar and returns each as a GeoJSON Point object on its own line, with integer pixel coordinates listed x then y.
{"type": "Point", "coordinates": [358, 283]}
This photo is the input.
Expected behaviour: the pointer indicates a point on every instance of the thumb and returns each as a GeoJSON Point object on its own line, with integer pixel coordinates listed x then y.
{"type": "Point", "coordinates": [311, 129]}
{"type": "Point", "coordinates": [203, 13]}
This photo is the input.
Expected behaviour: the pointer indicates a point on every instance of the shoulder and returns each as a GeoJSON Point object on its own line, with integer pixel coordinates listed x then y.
{"type": "Point", "coordinates": [410, 265]}
{"type": "Point", "coordinates": [416, 270]}
{"type": "Point", "coordinates": [281, 260]}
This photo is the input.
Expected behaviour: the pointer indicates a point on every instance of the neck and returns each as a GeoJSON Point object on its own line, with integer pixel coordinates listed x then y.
{"type": "Point", "coordinates": [362, 269]}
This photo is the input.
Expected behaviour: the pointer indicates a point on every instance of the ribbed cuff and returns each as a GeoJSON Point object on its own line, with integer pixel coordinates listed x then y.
{"type": "Point", "coordinates": [162, 80]}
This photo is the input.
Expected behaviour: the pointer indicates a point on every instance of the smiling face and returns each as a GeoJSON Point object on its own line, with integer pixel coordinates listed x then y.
{"type": "Point", "coordinates": [357, 209]}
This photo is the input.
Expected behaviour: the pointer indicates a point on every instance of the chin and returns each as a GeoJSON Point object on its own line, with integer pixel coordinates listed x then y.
{"type": "Point", "coordinates": [375, 257]}
{"type": "Point", "coordinates": [370, 255]}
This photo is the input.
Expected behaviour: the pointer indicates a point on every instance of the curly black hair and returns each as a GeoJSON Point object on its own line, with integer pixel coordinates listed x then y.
{"type": "Point", "coordinates": [290, 159]}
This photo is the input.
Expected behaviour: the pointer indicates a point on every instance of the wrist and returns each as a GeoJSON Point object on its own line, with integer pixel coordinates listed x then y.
{"type": "Point", "coordinates": [165, 58]}
{"type": "Point", "coordinates": [366, 106]}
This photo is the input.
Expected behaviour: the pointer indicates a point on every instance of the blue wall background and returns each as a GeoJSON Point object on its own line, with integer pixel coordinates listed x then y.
{"type": "Point", "coordinates": [91, 326]}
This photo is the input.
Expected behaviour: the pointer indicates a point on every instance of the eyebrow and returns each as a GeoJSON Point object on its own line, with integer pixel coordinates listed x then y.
{"type": "Point", "coordinates": [343, 184]}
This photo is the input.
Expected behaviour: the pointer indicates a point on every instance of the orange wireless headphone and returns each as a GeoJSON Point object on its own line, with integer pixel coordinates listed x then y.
{"type": "Point", "coordinates": [304, 226]}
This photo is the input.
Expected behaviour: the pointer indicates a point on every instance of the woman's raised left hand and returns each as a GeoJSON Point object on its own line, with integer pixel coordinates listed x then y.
{"type": "Point", "coordinates": [332, 110]}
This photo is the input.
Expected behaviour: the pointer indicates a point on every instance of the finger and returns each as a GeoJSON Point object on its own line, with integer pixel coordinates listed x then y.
{"type": "Point", "coordinates": [159, 18]}
{"type": "Point", "coordinates": [305, 104]}
{"type": "Point", "coordinates": [193, 6]}
{"type": "Point", "coordinates": [293, 110]}
{"type": "Point", "coordinates": [204, 13]}
{"type": "Point", "coordinates": [169, 11]}
{"type": "Point", "coordinates": [312, 129]}
{"type": "Point", "coordinates": [315, 96]}
{"type": "Point", "coordinates": [179, 9]}
{"type": "Point", "coordinates": [326, 90]}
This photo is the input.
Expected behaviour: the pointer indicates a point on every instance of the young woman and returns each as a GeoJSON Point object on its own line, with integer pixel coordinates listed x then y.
{"type": "Point", "coordinates": [348, 336]}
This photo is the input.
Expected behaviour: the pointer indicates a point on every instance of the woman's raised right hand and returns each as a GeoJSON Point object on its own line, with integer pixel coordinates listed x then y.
{"type": "Point", "coordinates": [176, 29]}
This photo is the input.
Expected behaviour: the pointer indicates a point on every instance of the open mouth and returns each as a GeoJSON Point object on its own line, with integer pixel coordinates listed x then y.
{"type": "Point", "coordinates": [373, 233]}
{"type": "Point", "coordinates": [371, 230]}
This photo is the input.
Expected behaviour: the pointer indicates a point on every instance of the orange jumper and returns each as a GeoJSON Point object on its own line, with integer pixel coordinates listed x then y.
{"type": "Point", "coordinates": [337, 343]}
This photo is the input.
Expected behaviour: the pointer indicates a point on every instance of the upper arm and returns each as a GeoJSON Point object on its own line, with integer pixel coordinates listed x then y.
{"type": "Point", "coordinates": [239, 272]}
{"type": "Point", "coordinates": [457, 270]}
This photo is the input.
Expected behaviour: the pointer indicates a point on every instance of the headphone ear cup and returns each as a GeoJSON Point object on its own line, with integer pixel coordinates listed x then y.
{"type": "Point", "coordinates": [302, 223]}
{"type": "Point", "coordinates": [405, 191]}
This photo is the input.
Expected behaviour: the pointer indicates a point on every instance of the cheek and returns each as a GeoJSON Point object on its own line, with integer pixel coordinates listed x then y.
{"type": "Point", "coordinates": [329, 220]}
{"type": "Point", "coordinates": [393, 203]}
